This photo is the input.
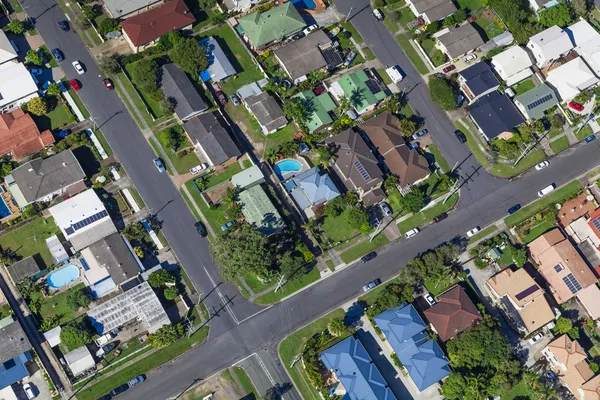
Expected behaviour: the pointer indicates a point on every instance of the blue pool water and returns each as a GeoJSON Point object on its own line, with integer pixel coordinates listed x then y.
{"type": "Point", "coordinates": [4, 211]}
{"type": "Point", "coordinates": [306, 4]}
{"type": "Point", "coordinates": [287, 165]}
{"type": "Point", "coordinates": [63, 276]}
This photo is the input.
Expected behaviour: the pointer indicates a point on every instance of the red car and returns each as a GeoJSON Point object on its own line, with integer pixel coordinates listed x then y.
{"type": "Point", "coordinates": [221, 97]}
{"type": "Point", "coordinates": [576, 106]}
{"type": "Point", "coordinates": [440, 217]}
{"type": "Point", "coordinates": [449, 68]}
{"type": "Point", "coordinates": [75, 84]}
{"type": "Point", "coordinates": [108, 84]}
{"type": "Point", "coordinates": [318, 90]}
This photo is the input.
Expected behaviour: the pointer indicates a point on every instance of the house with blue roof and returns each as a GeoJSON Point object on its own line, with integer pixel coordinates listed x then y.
{"type": "Point", "coordinates": [311, 188]}
{"type": "Point", "coordinates": [14, 352]}
{"type": "Point", "coordinates": [358, 376]}
{"type": "Point", "coordinates": [422, 357]}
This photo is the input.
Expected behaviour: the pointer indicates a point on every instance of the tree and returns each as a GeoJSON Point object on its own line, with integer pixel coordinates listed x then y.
{"type": "Point", "coordinates": [37, 106]}
{"type": "Point", "coordinates": [160, 278]}
{"type": "Point", "coordinates": [413, 201]}
{"type": "Point", "coordinates": [108, 25]}
{"type": "Point", "coordinates": [337, 327]}
{"type": "Point", "coordinates": [378, 3]}
{"type": "Point", "coordinates": [50, 323]}
{"type": "Point", "coordinates": [407, 126]}
{"type": "Point", "coordinates": [393, 104]}
{"type": "Point", "coordinates": [167, 105]}
{"type": "Point", "coordinates": [519, 256]}
{"type": "Point", "coordinates": [556, 122]}
{"type": "Point", "coordinates": [359, 219]}
{"type": "Point", "coordinates": [171, 293]}
{"type": "Point", "coordinates": [91, 12]}
{"type": "Point", "coordinates": [583, 97]}
{"type": "Point", "coordinates": [454, 386]}
{"type": "Point", "coordinates": [580, 7]}
{"type": "Point", "coordinates": [563, 325]}
{"type": "Point", "coordinates": [325, 154]}
{"type": "Point", "coordinates": [6, 168]}
{"type": "Point", "coordinates": [560, 14]}
{"type": "Point", "coordinates": [16, 26]}
{"type": "Point", "coordinates": [27, 287]}
{"type": "Point", "coordinates": [241, 250]}
{"type": "Point", "coordinates": [291, 264]}
{"type": "Point", "coordinates": [189, 56]}
{"type": "Point", "coordinates": [54, 89]}
{"type": "Point", "coordinates": [443, 92]}
{"type": "Point", "coordinates": [33, 57]}
{"type": "Point", "coordinates": [138, 251]}
{"type": "Point", "coordinates": [594, 367]}
{"type": "Point", "coordinates": [109, 65]}
{"type": "Point", "coordinates": [144, 75]}
{"type": "Point", "coordinates": [297, 109]}
{"type": "Point", "coordinates": [73, 337]}
{"type": "Point", "coordinates": [165, 336]}
{"type": "Point", "coordinates": [79, 298]}
{"type": "Point", "coordinates": [390, 183]}
{"type": "Point", "coordinates": [335, 207]}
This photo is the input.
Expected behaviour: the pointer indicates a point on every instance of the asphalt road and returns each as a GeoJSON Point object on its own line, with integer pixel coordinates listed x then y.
{"type": "Point", "coordinates": [485, 199]}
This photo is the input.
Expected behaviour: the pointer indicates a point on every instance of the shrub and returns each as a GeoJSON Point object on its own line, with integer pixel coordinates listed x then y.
{"type": "Point", "coordinates": [108, 25]}
{"type": "Point", "coordinates": [160, 278]}
{"type": "Point", "coordinates": [73, 337]}
{"type": "Point", "coordinates": [37, 106]}
{"type": "Point", "coordinates": [171, 293]}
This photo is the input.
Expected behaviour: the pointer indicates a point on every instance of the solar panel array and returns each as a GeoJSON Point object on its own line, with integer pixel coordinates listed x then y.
{"type": "Point", "coordinates": [572, 283]}
{"type": "Point", "coordinates": [596, 223]}
{"type": "Point", "coordinates": [539, 101]}
{"type": "Point", "coordinates": [85, 222]}
{"type": "Point", "coordinates": [373, 86]}
{"type": "Point", "coordinates": [361, 170]}
{"type": "Point", "coordinates": [558, 267]}
{"type": "Point", "coordinates": [531, 289]}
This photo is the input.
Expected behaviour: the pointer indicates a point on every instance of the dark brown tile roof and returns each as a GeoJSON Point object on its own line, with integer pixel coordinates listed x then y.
{"type": "Point", "coordinates": [453, 313]}
{"type": "Point", "coordinates": [20, 136]}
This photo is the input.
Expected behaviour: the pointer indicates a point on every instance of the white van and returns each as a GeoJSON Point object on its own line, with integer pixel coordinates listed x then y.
{"type": "Point", "coordinates": [395, 74]}
{"type": "Point", "coordinates": [411, 233]}
{"type": "Point", "coordinates": [546, 190]}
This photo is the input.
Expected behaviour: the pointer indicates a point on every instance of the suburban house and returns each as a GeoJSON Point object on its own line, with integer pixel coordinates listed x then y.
{"type": "Point", "coordinates": [122, 9]}
{"type": "Point", "coordinates": [219, 66]}
{"type": "Point", "coordinates": [209, 133]}
{"type": "Point", "coordinates": [453, 313]}
{"type": "Point", "coordinates": [138, 303]}
{"type": "Point", "coordinates": [311, 189]}
{"type": "Point", "coordinates": [587, 43]}
{"type": "Point", "coordinates": [356, 375]}
{"type": "Point", "coordinates": [521, 298]}
{"type": "Point", "coordinates": [16, 85]}
{"type": "Point", "coordinates": [264, 28]}
{"type": "Point", "coordinates": [143, 30]}
{"type": "Point", "coordinates": [247, 178]}
{"type": "Point", "coordinates": [549, 45]}
{"type": "Point", "coordinates": [540, 5]}
{"type": "Point", "coordinates": [267, 112]}
{"type": "Point", "coordinates": [236, 6]}
{"type": "Point", "coordinates": [259, 211]}
{"type": "Point", "coordinates": [108, 263]}
{"type": "Point", "coordinates": [301, 57]}
{"type": "Point", "coordinates": [502, 40]}
{"type": "Point", "coordinates": [15, 353]}
{"type": "Point", "coordinates": [356, 166]}
{"type": "Point", "coordinates": [495, 116]}
{"type": "Point", "coordinates": [177, 86]}
{"type": "Point", "coordinates": [477, 81]}
{"type": "Point", "coordinates": [371, 93]}
{"type": "Point", "coordinates": [431, 10]}
{"type": "Point", "coordinates": [83, 219]}
{"type": "Point", "coordinates": [406, 333]}
{"type": "Point", "coordinates": [533, 103]}
{"type": "Point", "coordinates": [7, 52]}
{"type": "Point", "coordinates": [571, 78]}
{"type": "Point", "coordinates": [458, 41]}
{"type": "Point", "coordinates": [320, 107]}
{"type": "Point", "coordinates": [569, 361]}
{"type": "Point", "coordinates": [19, 135]}
{"type": "Point", "coordinates": [513, 65]}
{"type": "Point", "coordinates": [408, 165]}
{"type": "Point", "coordinates": [567, 273]}
{"type": "Point", "coordinates": [79, 361]}
{"type": "Point", "coordinates": [43, 179]}
{"type": "Point", "coordinates": [22, 269]}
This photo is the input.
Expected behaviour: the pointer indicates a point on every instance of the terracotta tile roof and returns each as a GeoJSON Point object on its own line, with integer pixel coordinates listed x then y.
{"type": "Point", "coordinates": [148, 26]}
{"type": "Point", "coordinates": [453, 313]}
{"type": "Point", "coordinates": [591, 389]}
{"type": "Point", "coordinates": [574, 370]}
{"type": "Point", "coordinates": [575, 209]}
{"type": "Point", "coordinates": [594, 222]}
{"type": "Point", "coordinates": [20, 136]}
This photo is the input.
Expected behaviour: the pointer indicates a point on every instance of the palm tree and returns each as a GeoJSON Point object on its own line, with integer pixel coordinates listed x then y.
{"type": "Point", "coordinates": [325, 154]}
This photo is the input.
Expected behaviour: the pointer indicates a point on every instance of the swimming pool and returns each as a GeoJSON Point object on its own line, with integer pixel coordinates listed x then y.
{"type": "Point", "coordinates": [63, 276]}
{"type": "Point", "coordinates": [4, 211]}
{"type": "Point", "coordinates": [306, 4]}
{"type": "Point", "coordinates": [288, 165]}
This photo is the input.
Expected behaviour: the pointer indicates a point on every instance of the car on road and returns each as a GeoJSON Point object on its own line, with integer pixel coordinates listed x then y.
{"type": "Point", "coordinates": [394, 73]}
{"type": "Point", "coordinates": [349, 58]}
{"type": "Point", "coordinates": [413, 145]}
{"type": "Point", "coordinates": [575, 106]}
{"type": "Point", "coordinates": [546, 190]}
{"type": "Point", "coordinates": [473, 231]}
{"type": "Point", "coordinates": [590, 139]}
{"type": "Point", "coordinates": [535, 338]}
{"type": "Point", "coordinates": [159, 165]}
{"type": "Point", "coordinates": [75, 84]}
{"type": "Point", "coordinates": [64, 25]}
{"type": "Point", "coordinates": [197, 169]}
{"type": "Point", "coordinates": [234, 99]}
{"type": "Point", "coordinates": [371, 285]}
{"type": "Point", "coordinates": [449, 68]}
{"type": "Point", "coordinates": [378, 14]}
{"type": "Point", "coordinates": [78, 67]}
{"type": "Point", "coordinates": [28, 389]}
{"type": "Point", "coordinates": [200, 228]}
{"type": "Point", "coordinates": [136, 380]}
{"type": "Point", "coordinates": [108, 84]}
{"type": "Point", "coordinates": [411, 233]}
{"type": "Point", "coordinates": [368, 257]}
{"type": "Point", "coordinates": [58, 55]}
{"type": "Point", "coordinates": [470, 57]}
{"type": "Point", "coordinates": [542, 165]}
{"type": "Point", "coordinates": [514, 209]}
{"type": "Point", "coordinates": [309, 29]}
{"type": "Point", "coordinates": [221, 97]}
{"type": "Point", "coordinates": [429, 299]}
{"type": "Point", "coordinates": [440, 217]}
{"type": "Point", "coordinates": [385, 208]}
{"type": "Point", "coordinates": [418, 134]}
{"type": "Point", "coordinates": [460, 136]}
{"type": "Point", "coordinates": [36, 71]}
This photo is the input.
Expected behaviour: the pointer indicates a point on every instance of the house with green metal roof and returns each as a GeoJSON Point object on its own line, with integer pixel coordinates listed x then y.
{"type": "Point", "coordinates": [321, 105]}
{"type": "Point", "coordinates": [363, 93]}
{"type": "Point", "coordinates": [263, 28]}
{"type": "Point", "coordinates": [259, 211]}
{"type": "Point", "coordinates": [534, 102]}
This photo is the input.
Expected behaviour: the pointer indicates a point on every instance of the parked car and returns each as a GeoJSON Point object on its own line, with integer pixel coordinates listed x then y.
{"type": "Point", "coordinates": [411, 233]}
{"type": "Point", "coordinates": [470, 57]}
{"type": "Point", "coordinates": [234, 99]}
{"type": "Point", "coordinates": [368, 256]}
{"type": "Point", "coordinates": [200, 228]}
{"type": "Point", "coordinates": [473, 231]}
{"type": "Point", "coordinates": [226, 226]}
{"type": "Point", "coordinates": [159, 165]}
{"type": "Point", "coordinates": [541, 165]}
{"type": "Point", "coordinates": [78, 67]}
{"type": "Point", "coordinates": [221, 97]}
{"type": "Point", "coordinates": [429, 299]}
{"type": "Point", "coordinates": [318, 90]}
{"type": "Point", "coordinates": [36, 71]}
{"type": "Point", "coordinates": [460, 136]}
{"type": "Point", "coordinates": [575, 106]}
{"type": "Point", "coordinates": [589, 139]}
{"type": "Point", "coordinates": [102, 340]}
{"type": "Point", "coordinates": [395, 73]}
{"type": "Point", "coordinates": [546, 190]}
{"type": "Point", "coordinates": [514, 209]}
{"type": "Point", "coordinates": [104, 350]}
{"type": "Point", "coordinates": [197, 169]}
{"type": "Point", "coordinates": [75, 84]}
{"type": "Point", "coordinates": [309, 29]}
{"type": "Point", "coordinates": [136, 380]}
{"type": "Point", "coordinates": [62, 134]}
{"type": "Point", "coordinates": [119, 389]}
{"type": "Point", "coordinates": [58, 55]}
{"type": "Point", "coordinates": [385, 208]}
{"type": "Point", "coordinates": [440, 217]}
{"type": "Point", "coordinates": [371, 285]}
{"type": "Point", "coordinates": [418, 134]}
{"type": "Point", "coordinates": [108, 84]}
{"type": "Point", "coordinates": [413, 145]}
{"type": "Point", "coordinates": [351, 56]}
{"type": "Point", "coordinates": [449, 68]}
{"type": "Point", "coordinates": [28, 389]}
{"type": "Point", "coordinates": [64, 25]}
{"type": "Point", "coordinates": [535, 338]}
{"type": "Point", "coordinates": [378, 14]}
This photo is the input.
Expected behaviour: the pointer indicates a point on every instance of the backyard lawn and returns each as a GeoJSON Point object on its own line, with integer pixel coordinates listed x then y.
{"type": "Point", "coordinates": [559, 144]}
{"type": "Point", "coordinates": [215, 179]}
{"type": "Point", "coordinates": [57, 305]}
{"type": "Point", "coordinates": [337, 228]}
{"type": "Point", "coordinates": [520, 392]}
{"type": "Point", "coordinates": [523, 87]}
{"type": "Point", "coordinates": [485, 21]}
{"type": "Point", "coordinates": [412, 53]}
{"type": "Point", "coordinates": [424, 216]}
{"type": "Point", "coordinates": [363, 248]}
{"type": "Point", "coordinates": [507, 170]}
{"type": "Point", "coordinates": [30, 239]}
{"type": "Point", "coordinates": [470, 5]}
{"type": "Point", "coordinates": [290, 287]}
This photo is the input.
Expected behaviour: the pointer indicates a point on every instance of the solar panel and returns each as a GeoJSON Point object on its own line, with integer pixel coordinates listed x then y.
{"type": "Point", "coordinates": [361, 170]}
{"type": "Point", "coordinates": [539, 101]}
{"type": "Point", "coordinates": [572, 283]}
{"type": "Point", "coordinates": [85, 222]}
{"type": "Point", "coordinates": [373, 86]}
{"type": "Point", "coordinates": [596, 223]}
{"type": "Point", "coordinates": [527, 292]}
{"type": "Point", "coordinates": [558, 267]}
{"type": "Point", "coordinates": [69, 231]}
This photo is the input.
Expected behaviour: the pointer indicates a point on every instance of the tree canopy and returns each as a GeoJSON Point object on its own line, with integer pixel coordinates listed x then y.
{"type": "Point", "coordinates": [337, 327]}
{"type": "Point", "coordinates": [560, 14]}
{"type": "Point", "coordinates": [73, 337]}
{"type": "Point", "coordinates": [107, 26]}
{"type": "Point", "coordinates": [298, 109]}
{"type": "Point", "coordinates": [160, 278]}
{"type": "Point", "coordinates": [16, 26]}
{"type": "Point", "coordinates": [189, 56]}
{"type": "Point", "coordinates": [79, 298]}
{"type": "Point", "coordinates": [37, 106]}
{"type": "Point", "coordinates": [145, 76]}
{"type": "Point", "coordinates": [33, 57]}
{"type": "Point", "coordinates": [443, 92]}
{"type": "Point", "coordinates": [165, 336]}
{"type": "Point", "coordinates": [359, 219]}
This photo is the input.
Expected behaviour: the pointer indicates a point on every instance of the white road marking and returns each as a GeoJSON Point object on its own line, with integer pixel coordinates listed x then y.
{"type": "Point", "coordinates": [223, 299]}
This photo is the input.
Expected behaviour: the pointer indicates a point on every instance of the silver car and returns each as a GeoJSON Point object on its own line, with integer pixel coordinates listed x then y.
{"type": "Point", "coordinates": [159, 165]}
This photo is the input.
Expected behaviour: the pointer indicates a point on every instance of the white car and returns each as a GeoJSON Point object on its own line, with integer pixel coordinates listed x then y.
{"type": "Point", "coordinates": [311, 28]}
{"type": "Point", "coordinates": [395, 74]}
{"type": "Point", "coordinates": [429, 298]}
{"type": "Point", "coordinates": [546, 190]}
{"type": "Point", "coordinates": [473, 231]}
{"type": "Point", "coordinates": [470, 57]}
{"type": "Point", "coordinates": [535, 338]}
{"type": "Point", "coordinates": [411, 233]}
{"type": "Point", "coordinates": [377, 14]}
{"type": "Point", "coordinates": [542, 165]}
{"type": "Point", "coordinates": [198, 168]}
{"type": "Point", "coordinates": [27, 388]}
{"type": "Point", "coordinates": [78, 67]}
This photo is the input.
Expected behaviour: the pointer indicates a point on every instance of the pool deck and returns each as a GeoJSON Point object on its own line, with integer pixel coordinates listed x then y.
{"type": "Point", "coordinates": [291, 174]}
{"type": "Point", "coordinates": [319, 6]}
{"type": "Point", "coordinates": [52, 290]}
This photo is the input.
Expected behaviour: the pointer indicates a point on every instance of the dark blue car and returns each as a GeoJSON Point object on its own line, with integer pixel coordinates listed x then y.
{"type": "Point", "coordinates": [64, 25]}
{"type": "Point", "coordinates": [514, 209]}
{"type": "Point", "coordinates": [58, 55]}
{"type": "Point", "coordinates": [590, 139]}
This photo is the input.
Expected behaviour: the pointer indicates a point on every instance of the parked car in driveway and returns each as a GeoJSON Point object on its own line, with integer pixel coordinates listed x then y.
{"type": "Point", "coordinates": [351, 56]}
{"type": "Point", "coordinates": [226, 226]}
{"type": "Point", "coordinates": [78, 67]}
{"type": "Point", "coordinates": [449, 68]}
{"type": "Point", "coordinates": [371, 285]}
{"type": "Point", "coordinates": [197, 169]}
{"type": "Point", "coordinates": [470, 57]}
{"type": "Point", "coordinates": [542, 165]}
{"type": "Point", "coordinates": [385, 208]}
{"type": "Point", "coordinates": [36, 71]}
{"type": "Point", "coordinates": [64, 25]}
{"type": "Point", "coordinates": [28, 389]}
{"type": "Point", "coordinates": [429, 299]}
{"type": "Point", "coordinates": [159, 165]}
{"type": "Point", "coordinates": [535, 338]}
{"type": "Point", "coordinates": [75, 84]}
{"type": "Point", "coordinates": [413, 145]}
{"type": "Point", "coordinates": [368, 257]}
{"type": "Point", "coordinates": [418, 134]}
{"type": "Point", "coordinates": [590, 139]}
{"type": "Point", "coordinates": [575, 106]}
{"type": "Point", "coordinates": [309, 29]}
{"type": "Point", "coordinates": [58, 55]}
{"type": "Point", "coordinates": [472, 232]}
{"type": "Point", "coordinates": [234, 99]}
{"type": "Point", "coordinates": [514, 209]}
{"type": "Point", "coordinates": [221, 97]}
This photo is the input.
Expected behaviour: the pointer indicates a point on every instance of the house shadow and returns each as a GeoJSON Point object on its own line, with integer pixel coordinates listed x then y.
{"type": "Point", "coordinates": [21, 42]}
{"type": "Point", "coordinates": [91, 166]}
{"type": "Point", "coordinates": [229, 54]}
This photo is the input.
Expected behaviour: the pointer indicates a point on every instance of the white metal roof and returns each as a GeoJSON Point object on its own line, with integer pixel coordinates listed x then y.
{"type": "Point", "coordinates": [571, 78]}
{"type": "Point", "coordinates": [53, 336]}
{"type": "Point", "coordinates": [7, 52]}
{"type": "Point", "coordinates": [79, 360]}
{"type": "Point", "coordinates": [15, 83]}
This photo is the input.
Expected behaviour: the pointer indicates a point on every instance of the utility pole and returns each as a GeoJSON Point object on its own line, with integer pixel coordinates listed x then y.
{"type": "Point", "coordinates": [280, 283]}
{"type": "Point", "coordinates": [453, 189]}
{"type": "Point", "coordinates": [528, 148]}
{"type": "Point", "coordinates": [348, 15]}
{"type": "Point", "coordinates": [377, 231]}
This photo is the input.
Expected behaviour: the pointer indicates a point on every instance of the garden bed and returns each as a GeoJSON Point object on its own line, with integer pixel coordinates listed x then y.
{"type": "Point", "coordinates": [436, 56]}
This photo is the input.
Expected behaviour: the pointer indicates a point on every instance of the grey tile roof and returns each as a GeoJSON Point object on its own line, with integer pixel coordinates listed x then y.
{"type": "Point", "coordinates": [89, 236]}
{"type": "Point", "coordinates": [461, 40]}
{"type": "Point", "coordinates": [44, 176]}
{"type": "Point", "coordinates": [113, 253]}
{"type": "Point", "coordinates": [13, 340]}
{"type": "Point", "coordinates": [537, 100]}
{"type": "Point", "coordinates": [211, 132]}
{"type": "Point", "coordinates": [303, 56]}
{"type": "Point", "coordinates": [480, 78]}
{"type": "Point", "coordinates": [495, 114]}
{"type": "Point", "coordinates": [267, 111]}
{"type": "Point", "coordinates": [176, 85]}
{"type": "Point", "coordinates": [23, 269]}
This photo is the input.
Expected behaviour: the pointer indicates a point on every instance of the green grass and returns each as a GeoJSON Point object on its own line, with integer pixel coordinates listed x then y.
{"type": "Point", "coordinates": [560, 144]}
{"type": "Point", "coordinates": [521, 391]}
{"type": "Point", "coordinates": [439, 158]}
{"type": "Point", "coordinates": [384, 76]}
{"type": "Point", "coordinates": [435, 55]}
{"type": "Point", "coordinates": [94, 36]}
{"type": "Point", "coordinates": [213, 216]}
{"type": "Point", "coordinates": [523, 87]}
{"type": "Point", "coordinates": [554, 132]}
{"type": "Point", "coordinates": [507, 171]}
{"type": "Point", "coordinates": [363, 248]}
{"type": "Point", "coordinates": [153, 105]}
{"type": "Point", "coordinates": [330, 265]}
{"type": "Point", "coordinates": [256, 284]}
{"type": "Point", "coordinates": [203, 17]}
{"type": "Point", "coordinates": [406, 16]}
{"type": "Point", "coordinates": [15, 6]}
{"type": "Point", "coordinates": [372, 295]}
{"type": "Point", "coordinates": [472, 140]}
{"type": "Point", "coordinates": [182, 163]}
{"type": "Point", "coordinates": [369, 54]}
{"type": "Point", "coordinates": [154, 144]}
{"type": "Point", "coordinates": [483, 233]}
{"type": "Point", "coordinates": [244, 379]}
{"type": "Point", "coordinates": [337, 228]}
{"type": "Point", "coordinates": [144, 365]}
{"type": "Point", "coordinates": [79, 103]}
{"type": "Point", "coordinates": [57, 305]}
{"type": "Point", "coordinates": [471, 5]}
{"type": "Point", "coordinates": [489, 26]}
{"type": "Point", "coordinates": [30, 239]}
{"type": "Point", "coordinates": [438, 287]}
{"type": "Point", "coordinates": [104, 144]}
{"type": "Point", "coordinates": [538, 230]}
{"type": "Point", "coordinates": [214, 179]}
{"type": "Point", "coordinates": [59, 117]}
{"type": "Point", "coordinates": [290, 287]}
{"type": "Point", "coordinates": [135, 97]}
{"type": "Point", "coordinates": [293, 345]}
{"type": "Point", "coordinates": [411, 52]}
{"type": "Point", "coordinates": [350, 28]}
{"type": "Point", "coordinates": [583, 132]}
{"type": "Point", "coordinates": [390, 21]}
{"type": "Point", "coordinates": [136, 196]}
{"type": "Point", "coordinates": [555, 197]}
{"type": "Point", "coordinates": [428, 215]}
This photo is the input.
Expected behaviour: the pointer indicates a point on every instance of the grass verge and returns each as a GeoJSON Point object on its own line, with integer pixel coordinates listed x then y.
{"type": "Point", "coordinates": [483, 233]}
{"type": "Point", "coordinates": [404, 42]}
{"type": "Point", "coordinates": [560, 144]}
{"type": "Point", "coordinates": [290, 287]}
{"type": "Point", "coordinates": [424, 216]}
{"type": "Point", "coordinates": [363, 248]}
{"type": "Point", "coordinates": [247, 386]}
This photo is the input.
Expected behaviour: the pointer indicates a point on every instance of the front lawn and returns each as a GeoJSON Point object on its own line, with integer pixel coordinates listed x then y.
{"type": "Point", "coordinates": [432, 148]}
{"type": "Point", "coordinates": [359, 250]}
{"type": "Point", "coordinates": [78, 102]}
{"type": "Point", "coordinates": [435, 55]}
{"type": "Point", "coordinates": [425, 216]}
{"type": "Point", "coordinates": [487, 231]}
{"type": "Point", "coordinates": [523, 86]}
{"type": "Point", "coordinates": [538, 231]}
{"type": "Point", "coordinates": [384, 76]}
{"type": "Point", "coordinates": [507, 171]}
{"type": "Point", "coordinates": [127, 86]}
{"type": "Point", "coordinates": [350, 28]}
{"type": "Point", "coordinates": [290, 287]}
{"type": "Point", "coordinates": [153, 105]}
{"type": "Point", "coordinates": [472, 141]}
{"type": "Point", "coordinates": [583, 132]}
{"type": "Point", "coordinates": [560, 144]}
{"type": "Point", "coordinates": [58, 117]}
{"type": "Point", "coordinates": [215, 216]}
{"type": "Point", "coordinates": [256, 284]}
{"type": "Point", "coordinates": [412, 53]}
{"type": "Point", "coordinates": [30, 240]}
{"type": "Point", "coordinates": [216, 178]}
{"type": "Point", "coordinates": [521, 391]}
{"type": "Point", "coordinates": [182, 162]}
{"type": "Point", "coordinates": [438, 287]}
{"type": "Point", "coordinates": [337, 228]}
